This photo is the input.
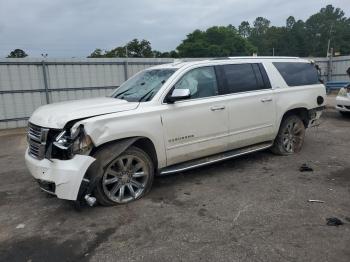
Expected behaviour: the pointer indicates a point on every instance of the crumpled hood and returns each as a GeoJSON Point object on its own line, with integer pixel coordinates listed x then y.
{"type": "Point", "coordinates": [58, 114]}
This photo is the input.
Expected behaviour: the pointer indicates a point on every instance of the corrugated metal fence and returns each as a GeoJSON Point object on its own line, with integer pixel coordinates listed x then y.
{"type": "Point", "coordinates": [334, 69]}
{"type": "Point", "coordinates": [26, 84]}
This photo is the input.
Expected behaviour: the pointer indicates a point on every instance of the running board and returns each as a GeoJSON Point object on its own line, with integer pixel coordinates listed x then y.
{"type": "Point", "coordinates": [214, 158]}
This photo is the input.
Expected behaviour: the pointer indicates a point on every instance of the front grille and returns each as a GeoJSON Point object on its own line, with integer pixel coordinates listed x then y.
{"type": "Point", "coordinates": [37, 137]}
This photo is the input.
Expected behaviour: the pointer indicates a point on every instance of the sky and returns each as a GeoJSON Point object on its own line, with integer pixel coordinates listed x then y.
{"type": "Point", "coordinates": [74, 28]}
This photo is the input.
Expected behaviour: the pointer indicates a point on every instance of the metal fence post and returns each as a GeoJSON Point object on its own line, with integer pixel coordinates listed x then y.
{"type": "Point", "coordinates": [126, 76]}
{"type": "Point", "coordinates": [330, 66]}
{"type": "Point", "coordinates": [46, 85]}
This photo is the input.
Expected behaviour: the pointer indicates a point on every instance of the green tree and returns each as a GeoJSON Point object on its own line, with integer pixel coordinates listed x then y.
{"type": "Point", "coordinates": [261, 25]}
{"type": "Point", "coordinates": [17, 53]}
{"type": "Point", "coordinates": [171, 54]}
{"type": "Point", "coordinates": [138, 48]}
{"type": "Point", "coordinates": [290, 22]}
{"type": "Point", "coordinates": [135, 48]}
{"type": "Point", "coordinates": [156, 53]}
{"type": "Point", "coordinates": [244, 29]}
{"type": "Point", "coordinates": [258, 36]}
{"type": "Point", "coordinates": [296, 38]}
{"type": "Point", "coordinates": [295, 42]}
{"type": "Point", "coordinates": [119, 51]}
{"type": "Point", "coordinates": [329, 23]}
{"type": "Point", "coordinates": [217, 41]}
{"type": "Point", "coordinates": [97, 53]}
{"type": "Point", "coordinates": [174, 54]}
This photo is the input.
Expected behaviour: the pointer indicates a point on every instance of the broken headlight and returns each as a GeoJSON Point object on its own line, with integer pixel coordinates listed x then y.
{"type": "Point", "coordinates": [73, 142]}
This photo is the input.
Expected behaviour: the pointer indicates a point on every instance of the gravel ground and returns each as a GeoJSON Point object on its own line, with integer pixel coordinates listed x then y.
{"type": "Point", "coordinates": [253, 208]}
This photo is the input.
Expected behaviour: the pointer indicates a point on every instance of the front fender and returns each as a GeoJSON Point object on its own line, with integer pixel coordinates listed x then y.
{"type": "Point", "coordinates": [106, 153]}
{"type": "Point", "coordinates": [107, 129]}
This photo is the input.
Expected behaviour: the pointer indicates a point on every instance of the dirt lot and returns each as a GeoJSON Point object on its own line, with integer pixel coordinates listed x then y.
{"type": "Point", "coordinates": [253, 208]}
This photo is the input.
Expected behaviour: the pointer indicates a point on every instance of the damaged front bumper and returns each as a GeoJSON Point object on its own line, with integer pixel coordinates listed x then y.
{"type": "Point", "coordinates": [314, 116]}
{"type": "Point", "coordinates": [59, 177]}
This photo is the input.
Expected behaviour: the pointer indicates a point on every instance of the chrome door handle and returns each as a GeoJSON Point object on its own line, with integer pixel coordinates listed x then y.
{"type": "Point", "coordinates": [217, 108]}
{"type": "Point", "coordinates": [264, 100]}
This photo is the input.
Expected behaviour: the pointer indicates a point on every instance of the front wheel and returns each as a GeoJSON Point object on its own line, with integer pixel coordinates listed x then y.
{"type": "Point", "coordinates": [346, 114]}
{"type": "Point", "coordinates": [128, 177]}
{"type": "Point", "coordinates": [290, 137]}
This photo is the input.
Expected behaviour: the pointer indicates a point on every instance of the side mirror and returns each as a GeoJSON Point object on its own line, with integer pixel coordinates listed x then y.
{"type": "Point", "coordinates": [179, 94]}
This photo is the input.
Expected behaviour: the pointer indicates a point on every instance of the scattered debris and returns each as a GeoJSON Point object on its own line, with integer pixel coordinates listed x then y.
{"type": "Point", "coordinates": [333, 221]}
{"type": "Point", "coordinates": [305, 168]}
{"type": "Point", "coordinates": [315, 201]}
{"type": "Point", "coordinates": [20, 226]}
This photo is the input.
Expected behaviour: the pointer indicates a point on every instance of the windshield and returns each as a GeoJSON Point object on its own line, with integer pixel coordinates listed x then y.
{"type": "Point", "coordinates": [143, 86]}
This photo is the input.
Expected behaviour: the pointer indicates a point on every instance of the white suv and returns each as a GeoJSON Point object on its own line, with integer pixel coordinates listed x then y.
{"type": "Point", "coordinates": [172, 118]}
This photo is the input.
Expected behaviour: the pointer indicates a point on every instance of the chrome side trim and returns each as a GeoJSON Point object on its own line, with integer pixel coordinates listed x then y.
{"type": "Point", "coordinates": [171, 171]}
{"type": "Point", "coordinates": [219, 136]}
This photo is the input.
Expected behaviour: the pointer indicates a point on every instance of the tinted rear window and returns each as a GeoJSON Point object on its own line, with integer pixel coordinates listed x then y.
{"type": "Point", "coordinates": [243, 78]}
{"type": "Point", "coordinates": [298, 74]}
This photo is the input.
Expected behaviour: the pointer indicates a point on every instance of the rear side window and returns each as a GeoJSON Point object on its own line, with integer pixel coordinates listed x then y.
{"type": "Point", "coordinates": [243, 78]}
{"type": "Point", "coordinates": [298, 74]}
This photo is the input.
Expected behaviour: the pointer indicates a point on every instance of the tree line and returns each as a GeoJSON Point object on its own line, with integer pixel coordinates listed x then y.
{"type": "Point", "coordinates": [328, 28]}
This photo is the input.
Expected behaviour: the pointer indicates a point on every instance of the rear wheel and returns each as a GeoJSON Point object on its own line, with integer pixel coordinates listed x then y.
{"type": "Point", "coordinates": [290, 137]}
{"type": "Point", "coordinates": [128, 177]}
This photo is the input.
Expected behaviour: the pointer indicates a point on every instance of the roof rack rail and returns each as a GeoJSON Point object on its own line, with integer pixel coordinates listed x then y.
{"type": "Point", "coordinates": [263, 57]}
{"type": "Point", "coordinates": [220, 58]}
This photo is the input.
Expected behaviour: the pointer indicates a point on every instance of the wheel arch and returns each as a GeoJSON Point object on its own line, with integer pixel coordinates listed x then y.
{"type": "Point", "coordinates": [120, 145]}
{"type": "Point", "coordinates": [301, 112]}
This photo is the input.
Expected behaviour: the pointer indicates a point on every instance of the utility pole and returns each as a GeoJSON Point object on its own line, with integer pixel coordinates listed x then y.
{"type": "Point", "coordinates": [329, 40]}
{"type": "Point", "coordinates": [330, 56]}
{"type": "Point", "coordinates": [273, 51]}
{"type": "Point", "coordinates": [126, 73]}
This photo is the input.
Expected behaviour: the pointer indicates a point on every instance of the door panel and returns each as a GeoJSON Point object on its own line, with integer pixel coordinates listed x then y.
{"type": "Point", "coordinates": [195, 128]}
{"type": "Point", "coordinates": [198, 126]}
{"type": "Point", "coordinates": [251, 104]}
{"type": "Point", "coordinates": [252, 118]}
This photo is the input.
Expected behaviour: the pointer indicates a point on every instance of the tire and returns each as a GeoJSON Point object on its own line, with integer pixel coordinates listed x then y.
{"type": "Point", "coordinates": [125, 178]}
{"type": "Point", "coordinates": [346, 114]}
{"type": "Point", "coordinates": [290, 137]}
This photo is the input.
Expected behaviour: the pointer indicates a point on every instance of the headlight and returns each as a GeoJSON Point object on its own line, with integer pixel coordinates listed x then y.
{"type": "Point", "coordinates": [78, 142]}
{"type": "Point", "coordinates": [82, 144]}
{"type": "Point", "coordinates": [343, 92]}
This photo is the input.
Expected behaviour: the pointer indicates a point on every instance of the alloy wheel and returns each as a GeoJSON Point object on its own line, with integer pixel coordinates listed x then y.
{"type": "Point", "coordinates": [125, 179]}
{"type": "Point", "coordinates": [292, 137]}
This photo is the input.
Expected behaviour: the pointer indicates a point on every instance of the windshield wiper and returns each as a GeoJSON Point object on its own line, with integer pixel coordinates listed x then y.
{"type": "Point", "coordinates": [147, 95]}
{"type": "Point", "coordinates": [118, 95]}
{"type": "Point", "coordinates": [150, 93]}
